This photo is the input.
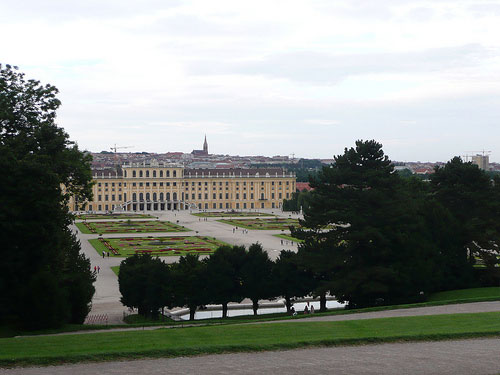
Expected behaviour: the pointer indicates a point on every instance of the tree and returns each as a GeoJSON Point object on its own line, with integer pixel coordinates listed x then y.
{"type": "Point", "coordinates": [223, 272]}
{"type": "Point", "coordinates": [190, 283]}
{"type": "Point", "coordinates": [364, 239]}
{"type": "Point", "coordinates": [290, 280]}
{"type": "Point", "coordinates": [44, 281]}
{"type": "Point", "coordinates": [473, 199]}
{"type": "Point", "coordinates": [146, 284]}
{"type": "Point", "coordinates": [257, 275]}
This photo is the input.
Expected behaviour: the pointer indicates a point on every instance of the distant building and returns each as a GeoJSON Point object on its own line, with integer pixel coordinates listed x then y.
{"type": "Point", "coordinates": [482, 161]}
{"type": "Point", "coordinates": [203, 152]}
{"type": "Point", "coordinates": [159, 186]}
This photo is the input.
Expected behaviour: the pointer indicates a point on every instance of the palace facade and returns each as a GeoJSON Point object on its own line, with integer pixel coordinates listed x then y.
{"type": "Point", "coordinates": [157, 186]}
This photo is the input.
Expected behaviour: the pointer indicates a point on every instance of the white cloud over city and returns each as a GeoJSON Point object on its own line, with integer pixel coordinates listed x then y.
{"type": "Point", "coordinates": [267, 77]}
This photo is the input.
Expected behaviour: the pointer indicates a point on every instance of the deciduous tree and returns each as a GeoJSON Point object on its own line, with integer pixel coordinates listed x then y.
{"type": "Point", "coordinates": [44, 281]}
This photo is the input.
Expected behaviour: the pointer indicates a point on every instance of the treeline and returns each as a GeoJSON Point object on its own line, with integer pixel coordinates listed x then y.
{"type": "Point", "coordinates": [231, 274]}
{"type": "Point", "coordinates": [393, 239]}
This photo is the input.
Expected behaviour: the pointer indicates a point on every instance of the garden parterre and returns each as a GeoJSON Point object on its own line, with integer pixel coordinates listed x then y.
{"type": "Point", "coordinates": [113, 216]}
{"type": "Point", "coordinates": [231, 214]}
{"type": "Point", "coordinates": [157, 246]}
{"type": "Point", "coordinates": [129, 227]}
{"type": "Point", "coordinates": [263, 224]}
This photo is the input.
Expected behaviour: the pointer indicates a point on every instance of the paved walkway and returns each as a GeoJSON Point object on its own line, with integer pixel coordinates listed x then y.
{"type": "Point", "coordinates": [477, 356]}
{"type": "Point", "coordinates": [464, 308]}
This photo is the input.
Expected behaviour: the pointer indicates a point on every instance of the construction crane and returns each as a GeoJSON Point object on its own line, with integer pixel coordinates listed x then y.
{"type": "Point", "coordinates": [481, 151]}
{"type": "Point", "coordinates": [120, 147]}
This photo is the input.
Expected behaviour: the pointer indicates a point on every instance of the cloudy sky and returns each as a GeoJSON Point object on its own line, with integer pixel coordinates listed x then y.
{"type": "Point", "coordinates": [267, 77]}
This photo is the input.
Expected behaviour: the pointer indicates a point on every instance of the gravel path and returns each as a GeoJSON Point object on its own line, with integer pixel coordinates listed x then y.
{"type": "Point", "coordinates": [464, 308]}
{"type": "Point", "coordinates": [477, 356]}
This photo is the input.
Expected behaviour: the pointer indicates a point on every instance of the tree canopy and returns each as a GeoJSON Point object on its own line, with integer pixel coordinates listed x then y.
{"type": "Point", "coordinates": [44, 280]}
{"type": "Point", "coordinates": [370, 237]}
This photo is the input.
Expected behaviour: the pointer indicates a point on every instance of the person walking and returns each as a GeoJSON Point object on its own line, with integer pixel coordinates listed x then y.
{"type": "Point", "coordinates": [98, 269]}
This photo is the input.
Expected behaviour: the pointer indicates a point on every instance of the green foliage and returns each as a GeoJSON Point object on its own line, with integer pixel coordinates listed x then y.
{"type": "Point", "coordinates": [146, 284]}
{"type": "Point", "coordinates": [473, 199]}
{"type": "Point", "coordinates": [299, 200]}
{"type": "Point", "coordinates": [189, 278]}
{"type": "Point", "coordinates": [44, 282]}
{"type": "Point", "coordinates": [223, 273]}
{"type": "Point", "coordinates": [383, 247]}
{"type": "Point", "coordinates": [257, 275]}
{"type": "Point", "coordinates": [289, 279]}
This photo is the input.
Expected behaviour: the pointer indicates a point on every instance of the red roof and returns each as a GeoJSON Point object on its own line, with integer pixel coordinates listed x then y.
{"type": "Point", "coordinates": [303, 186]}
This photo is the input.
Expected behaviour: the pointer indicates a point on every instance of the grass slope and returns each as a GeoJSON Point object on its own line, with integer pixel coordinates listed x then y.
{"type": "Point", "coordinates": [464, 294]}
{"type": "Point", "coordinates": [235, 338]}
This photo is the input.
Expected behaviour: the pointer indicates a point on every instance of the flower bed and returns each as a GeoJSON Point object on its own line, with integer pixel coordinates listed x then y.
{"type": "Point", "coordinates": [263, 224]}
{"type": "Point", "coordinates": [231, 214]}
{"type": "Point", "coordinates": [140, 226]}
{"type": "Point", "coordinates": [180, 245]}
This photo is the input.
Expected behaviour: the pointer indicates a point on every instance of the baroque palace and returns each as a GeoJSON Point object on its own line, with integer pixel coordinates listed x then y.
{"type": "Point", "coordinates": [159, 186]}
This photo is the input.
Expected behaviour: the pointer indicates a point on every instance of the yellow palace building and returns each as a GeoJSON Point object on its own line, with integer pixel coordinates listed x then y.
{"type": "Point", "coordinates": [158, 186]}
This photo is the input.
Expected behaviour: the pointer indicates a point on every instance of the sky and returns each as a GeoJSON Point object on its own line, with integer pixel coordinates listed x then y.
{"type": "Point", "coordinates": [307, 78]}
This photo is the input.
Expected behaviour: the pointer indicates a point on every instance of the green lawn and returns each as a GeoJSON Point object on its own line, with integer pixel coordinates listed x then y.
{"type": "Point", "coordinates": [115, 269]}
{"type": "Point", "coordinates": [464, 294]}
{"type": "Point", "coordinates": [156, 246]}
{"type": "Point", "coordinates": [231, 214]}
{"type": "Point", "coordinates": [149, 226]}
{"type": "Point", "coordinates": [262, 224]}
{"type": "Point", "coordinates": [235, 338]}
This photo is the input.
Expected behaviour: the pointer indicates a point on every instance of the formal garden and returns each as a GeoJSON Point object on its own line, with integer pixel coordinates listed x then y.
{"type": "Point", "coordinates": [156, 246]}
{"type": "Point", "coordinates": [113, 216]}
{"type": "Point", "coordinates": [262, 224]}
{"type": "Point", "coordinates": [231, 214]}
{"type": "Point", "coordinates": [141, 226]}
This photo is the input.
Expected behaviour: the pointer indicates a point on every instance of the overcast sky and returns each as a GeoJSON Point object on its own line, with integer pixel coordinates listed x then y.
{"type": "Point", "coordinates": [266, 77]}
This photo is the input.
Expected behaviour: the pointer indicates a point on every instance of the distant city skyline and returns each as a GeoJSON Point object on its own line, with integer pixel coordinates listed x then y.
{"type": "Point", "coordinates": [267, 78]}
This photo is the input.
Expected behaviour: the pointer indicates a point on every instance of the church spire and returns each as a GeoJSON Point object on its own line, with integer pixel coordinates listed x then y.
{"type": "Point", "coordinates": [205, 146]}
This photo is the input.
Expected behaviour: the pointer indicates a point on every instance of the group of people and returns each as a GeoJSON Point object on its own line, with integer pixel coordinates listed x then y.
{"type": "Point", "coordinates": [244, 231]}
{"type": "Point", "coordinates": [307, 310]}
{"type": "Point", "coordinates": [283, 242]}
{"type": "Point", "coordinates": [105, 253]}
